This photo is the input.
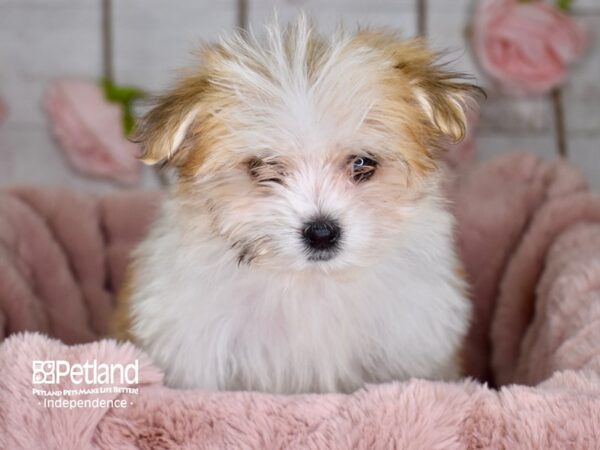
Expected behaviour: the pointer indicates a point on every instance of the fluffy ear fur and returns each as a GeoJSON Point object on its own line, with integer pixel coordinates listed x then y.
{"type": "Point", "coordinates": [165, 130]}
{"type": "Point", "coordinates": [443, 95]}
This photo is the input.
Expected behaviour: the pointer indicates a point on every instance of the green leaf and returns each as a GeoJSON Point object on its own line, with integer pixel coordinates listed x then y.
{"type": "Point", "coordinates": [564, 5]}
{"type": "Point", "coordinates": [124, 96]}
{"type": "Point", "coordinates": [128, 120]}
{"type": "Point", "coordinates": [121, 94]}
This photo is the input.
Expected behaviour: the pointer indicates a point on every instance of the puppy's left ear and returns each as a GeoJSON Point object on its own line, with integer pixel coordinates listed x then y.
{"type": "Point", "coordinates": [165, 131]}
{"type": "Point", "coordinates": [442, 95]}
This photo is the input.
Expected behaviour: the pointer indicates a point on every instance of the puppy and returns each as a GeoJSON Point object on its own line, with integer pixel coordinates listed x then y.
{"type": "Point", "coordinates": [306, 245]}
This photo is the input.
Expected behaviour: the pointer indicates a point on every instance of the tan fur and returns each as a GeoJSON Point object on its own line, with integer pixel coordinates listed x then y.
{"type": "Point", "coordinates": [443, 91]}
{"type": "Point", "coordinates": [434, 97]}
{"type": "Point", "coordinates": [426, 99]}
{"type": "Point", "coordinates": [120, 324]}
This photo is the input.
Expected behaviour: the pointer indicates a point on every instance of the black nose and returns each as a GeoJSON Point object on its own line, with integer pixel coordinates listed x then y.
{"type": "Point", "coordinates": [321, 234]}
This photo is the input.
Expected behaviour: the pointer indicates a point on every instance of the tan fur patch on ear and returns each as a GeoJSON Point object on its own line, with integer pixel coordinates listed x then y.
{"type": "Point", "coordinates": [164, 128]}
{"type": "Point", "coordinates": [445, 106]}
{"type": "Point", "coordinates": [443, 95]}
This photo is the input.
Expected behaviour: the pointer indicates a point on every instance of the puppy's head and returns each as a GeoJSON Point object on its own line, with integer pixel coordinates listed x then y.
{"type": "Point", "coordinates": [306, 153]}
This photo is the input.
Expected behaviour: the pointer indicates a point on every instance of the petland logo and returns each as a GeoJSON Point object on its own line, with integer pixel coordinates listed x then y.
{"type": "Point", "coordinates": [90, 372]}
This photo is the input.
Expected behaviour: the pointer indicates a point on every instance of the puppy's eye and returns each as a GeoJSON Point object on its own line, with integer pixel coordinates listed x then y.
{"type": "Point", "coordinates": [362, 168]}
{"type": "Point", "coordinates": [265, 171]}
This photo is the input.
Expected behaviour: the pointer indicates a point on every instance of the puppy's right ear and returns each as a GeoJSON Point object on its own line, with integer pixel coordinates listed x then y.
{"type": "Point", "coordinates": [165, 130]}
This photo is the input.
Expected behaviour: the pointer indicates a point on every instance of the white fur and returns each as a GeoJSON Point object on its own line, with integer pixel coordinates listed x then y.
{"type": "Point", "coordinates": [181, 131]}
{"type": "Point", "coordinates": [213, 324]}
{"type": "Point", "coordinates": [388, 306]}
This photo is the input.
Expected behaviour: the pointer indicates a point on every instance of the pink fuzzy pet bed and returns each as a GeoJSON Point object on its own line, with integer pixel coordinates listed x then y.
{"type": "Point", "coordinates": [529, 234]}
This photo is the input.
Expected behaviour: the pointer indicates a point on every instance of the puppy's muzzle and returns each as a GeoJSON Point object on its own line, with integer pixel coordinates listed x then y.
{"type": "Point", "coordinates": [321, 234]}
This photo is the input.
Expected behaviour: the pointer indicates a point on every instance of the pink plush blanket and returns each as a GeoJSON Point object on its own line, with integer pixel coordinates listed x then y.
{"type": "Point", "coordinates": [529, 234]}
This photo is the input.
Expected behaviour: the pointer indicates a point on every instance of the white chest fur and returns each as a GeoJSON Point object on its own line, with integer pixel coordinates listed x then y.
{"type": "Point", "coordinates": [212, 323]}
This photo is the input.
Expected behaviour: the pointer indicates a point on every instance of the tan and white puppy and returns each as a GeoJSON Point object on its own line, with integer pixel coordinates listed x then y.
{"type": "Point", "coordinates": [306, 246]}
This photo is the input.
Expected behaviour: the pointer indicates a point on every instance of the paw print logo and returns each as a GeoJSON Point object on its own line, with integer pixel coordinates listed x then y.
{"type": "Point", "coordinates": [43, 372]}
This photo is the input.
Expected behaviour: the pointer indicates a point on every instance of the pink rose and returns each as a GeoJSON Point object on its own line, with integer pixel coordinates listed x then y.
{"type": "Point", "coordinates": [526, 46]}
{"type": "Point", "coordinates": [89, 129]}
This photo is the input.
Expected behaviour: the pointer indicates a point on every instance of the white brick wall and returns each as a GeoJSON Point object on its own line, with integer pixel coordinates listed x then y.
{"type": "Point", "coordinates": [41, 40]}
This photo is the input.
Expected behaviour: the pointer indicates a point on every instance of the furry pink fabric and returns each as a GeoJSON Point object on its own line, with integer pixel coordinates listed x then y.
{"type": "Point", "coordinates": [495, 206]}
{"type": "Point", "coordinates": [62, 256]}
{"type": "Point", "coordinates": [563, 412]}
{"type": "Point", "coordinates": [529, 234]}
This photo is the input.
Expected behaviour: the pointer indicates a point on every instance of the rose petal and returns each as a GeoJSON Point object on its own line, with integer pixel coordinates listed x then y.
{"type": "Point", "coordinates": [89, 129]}
{"type": "Point", "coordinates": [526, 47]}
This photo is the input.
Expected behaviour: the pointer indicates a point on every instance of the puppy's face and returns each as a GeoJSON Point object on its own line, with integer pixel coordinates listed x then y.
{"type": "Point", "coordinates": [305, 153]}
